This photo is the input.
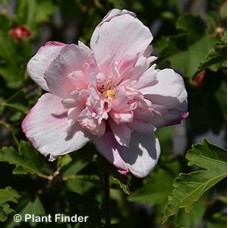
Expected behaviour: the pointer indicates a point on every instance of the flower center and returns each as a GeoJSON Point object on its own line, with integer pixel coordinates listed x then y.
{"type": "Point", "coordinates": [109, 93]}
{"type": "Point", "coordinates": [107, 89]}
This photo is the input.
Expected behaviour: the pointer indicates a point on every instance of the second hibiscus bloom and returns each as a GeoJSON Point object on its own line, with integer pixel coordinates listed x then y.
{"type": "Point", "coordinates": [108, 93]}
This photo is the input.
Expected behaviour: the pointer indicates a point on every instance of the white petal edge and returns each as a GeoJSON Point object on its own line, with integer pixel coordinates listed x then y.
{"type": "Point", "coordinates": [42, 60]}
{"type": "Point", "coordinates": [46, 128]}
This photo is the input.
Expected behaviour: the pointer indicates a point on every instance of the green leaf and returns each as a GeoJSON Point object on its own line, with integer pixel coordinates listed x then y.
{"type": "Point", "coordinates": [82, 184]}
{"type": "Point", "coordinates": [80, 160]}
{"type": "Point", "coordinates": [191, 24]}
{"type": "Point", "coordinates": [35, 208]}
{"type": "Point", "coordinates": [194, 217]}
{"type": "Point", "coordinates": [16, 102]}
{"type": "Point", "coordinates": [189, 48]}
{"type": "Point", "coordinates": [188, 188]}
{"type": "Point", "coordinates": [17, 106]}
{"type": "Point", "coordinates": [165, 136]}
{"type": "Point", "coordinates": [5, 210]}
{"type": "Point", "coordinates": [216, 57]}
{"type": "Point", "coordinates": [194, 53]}
{"type": "Point", "coordinates": [123, 183]}
{"type": "Point", "coordinates": [64, 160]}
{"type": "Point", "coordinates": [208, 156]}
{"type": "Point", "coordinates": [43, 11]}
{"type": "Point", "coordinates": [8, 50]}
{"type": "Point", "coordinates": [7, 195]}
{"type": "Point", "coordinates": [155, 189]}
{"type": "Point", "coordinates": [218, 220]}
{"type": "Point", "coordinates": [73, 168]}
{"type": "Point", "coordinates": [10, 62]}
{"type": "Point", "coordinates": [26, 160]}
{"type": "Point", "coordinates": [26, 11]}
{"type": "Point", "coordinates": [5, 23]}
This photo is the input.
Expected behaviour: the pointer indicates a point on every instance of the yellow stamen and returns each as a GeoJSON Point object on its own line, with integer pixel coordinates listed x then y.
{"type": "Point", "coordinates": [110, 93]}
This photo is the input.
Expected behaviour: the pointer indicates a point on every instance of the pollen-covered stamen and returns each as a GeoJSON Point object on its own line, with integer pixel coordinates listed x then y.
{"type": "Point", "coordinates": [107, 89]}
{"type": "Point", "coordinates": [109, 93]}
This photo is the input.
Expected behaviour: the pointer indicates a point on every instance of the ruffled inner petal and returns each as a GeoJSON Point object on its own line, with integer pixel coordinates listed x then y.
{"type": "Point", "coordinates": [68, 68]}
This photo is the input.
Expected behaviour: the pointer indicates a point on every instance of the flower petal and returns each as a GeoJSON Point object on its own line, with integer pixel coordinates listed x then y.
{"type": "Point", "coordinates": [121, 132]}
{"type": "Point", "coordinates": [46, 128]}
{"type": "Point", "coordinates": [147, 79]}
{"type": "Point", "coordinates": [60, 73]}
{"type": "Point", "coordinates": [42, 60]}
{"type": "Point", "coordinates": [139, 159]}
{"type": "Point", "coordinates": [116, 12]}
{"type": "Point", "coordinates": [120, 35]}
{"type": "Point", "coordinates": [168, 97]}
{"type": "Point", "coordinates": [141, 126]}
{"type": "Point", "coordinates": [168, 85]}
{"type": "Point", "coordinates": [169, 116]}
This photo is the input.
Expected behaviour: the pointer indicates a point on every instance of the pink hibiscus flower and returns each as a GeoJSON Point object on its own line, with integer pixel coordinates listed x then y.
{"type": "Point", "coordinates": [109, 93]}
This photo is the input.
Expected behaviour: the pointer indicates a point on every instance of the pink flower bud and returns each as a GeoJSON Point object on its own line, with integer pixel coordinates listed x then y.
{"type": "Point", "coordinates": [19, 32]}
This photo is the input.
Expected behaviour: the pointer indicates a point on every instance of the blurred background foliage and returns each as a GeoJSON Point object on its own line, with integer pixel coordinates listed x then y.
{"type": "Point", "coordinates": [189, 36]}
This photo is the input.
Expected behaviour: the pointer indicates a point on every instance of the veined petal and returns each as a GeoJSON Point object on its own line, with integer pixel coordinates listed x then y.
{"type": "Point", "coordinates": [38, 64]}
{"type": "Point", "coordinates": [139, 159]}
{"type": "Point", "coordinates": [120, 34]}
{"type": "Point", "coordinates": [46, 128]}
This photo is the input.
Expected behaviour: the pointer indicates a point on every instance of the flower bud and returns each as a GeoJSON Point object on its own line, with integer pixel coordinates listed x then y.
{"type": "Point", "coordinates": [19, 32]}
